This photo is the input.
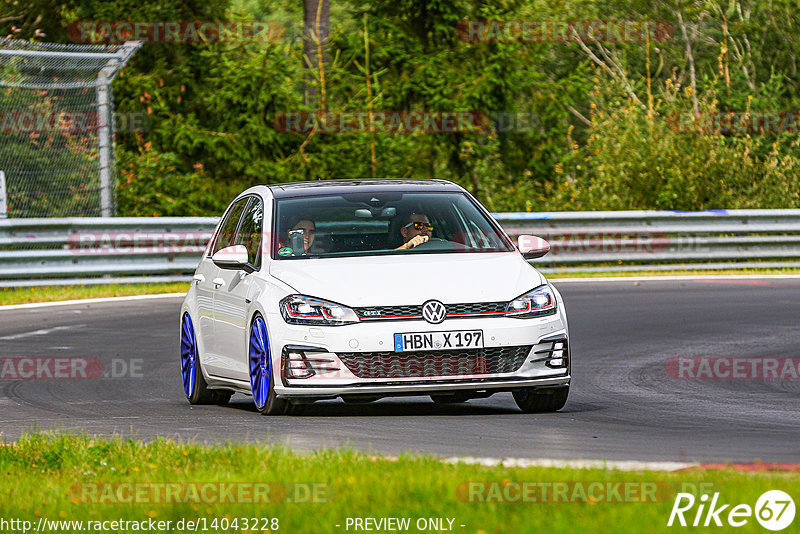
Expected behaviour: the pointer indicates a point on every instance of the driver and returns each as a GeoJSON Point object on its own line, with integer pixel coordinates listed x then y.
{"type": "Point", "coordinates": [416, 231]}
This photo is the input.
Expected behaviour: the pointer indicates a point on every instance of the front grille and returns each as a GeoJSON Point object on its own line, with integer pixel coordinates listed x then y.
{"type": "Point", "coordinates": [377, 313]}
{"type": "Point", "coordinates": [428, 364]}
{"type": "Point", "coordinates": [454, 311]}
{"type": "Point", "coordinates": [482, 308]}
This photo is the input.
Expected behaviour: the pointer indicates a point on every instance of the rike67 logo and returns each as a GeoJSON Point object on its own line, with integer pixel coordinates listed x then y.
{"type": "Point", "coordinates": [774, 510]}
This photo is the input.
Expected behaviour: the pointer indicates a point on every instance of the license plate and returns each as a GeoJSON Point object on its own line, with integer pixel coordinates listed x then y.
{"type": "Point", "coordinates": [455, 339]}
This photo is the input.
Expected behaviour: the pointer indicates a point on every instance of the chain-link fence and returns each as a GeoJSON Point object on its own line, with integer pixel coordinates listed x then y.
{"type": "Point", "coordinates": [57, 127]}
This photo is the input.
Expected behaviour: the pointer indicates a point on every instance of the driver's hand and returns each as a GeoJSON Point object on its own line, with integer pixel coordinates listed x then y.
{"type": "Point", "coordinates": [414, 241]}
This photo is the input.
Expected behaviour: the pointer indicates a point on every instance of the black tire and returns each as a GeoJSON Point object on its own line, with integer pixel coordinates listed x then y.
{"type": "Point", "coordinates": [260, 343]}
{"type": "Point", "coordinates": [194, 385]}
{"type": "Point", "coordinates": [451, 398]}
{"type": "Point", "coordinates": [203, 395]}
{"type": "Point", "coordinates": [533, 400]}
{"type": "Point", "coordinates": [274, 405]}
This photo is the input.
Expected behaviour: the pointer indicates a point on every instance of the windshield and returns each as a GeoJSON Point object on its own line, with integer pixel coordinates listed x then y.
{"type": "Point", "coordinates": [375, 223]}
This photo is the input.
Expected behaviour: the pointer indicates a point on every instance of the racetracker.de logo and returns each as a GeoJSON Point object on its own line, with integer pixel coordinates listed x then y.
{"type": "Point", "coordinates": [199, 493]}
{"type": "Point", "coordinates": [607, 491]}
{"type": "Point", "coordinates": [175, 31]}
{"type": "Point", "coordinates": [50, 368]}
{"type": "Point", "coordinates": [68, 368]}
{"type": "Point", "coordinates": [565, 31]}
{"type": "Point", "coordinates": [411, 365]}
{"type": "Point", "coordinates": [748, 122]}
{"type": "Point", "coordinates": [66, 121]}
{"type": "Point", "coordinates": [733, 368]}
{"type": "Point", "coordinates": [386, 122]}
{"type": "Point", "coordinates": [606, 242]}
{"type": "Point", "coordinates": [137, 242]}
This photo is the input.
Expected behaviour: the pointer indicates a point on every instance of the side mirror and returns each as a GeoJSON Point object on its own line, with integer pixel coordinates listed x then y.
{"type": "Point", "coordinates": [532, 247]}
{"type": "Point", "coordinates": [234, 258]}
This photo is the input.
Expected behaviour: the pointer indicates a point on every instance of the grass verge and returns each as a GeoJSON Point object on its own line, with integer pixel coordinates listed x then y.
{"type": "Point", "coordinates": [66, 477]}
{"type": "Point", "coordinates": [24, 295]}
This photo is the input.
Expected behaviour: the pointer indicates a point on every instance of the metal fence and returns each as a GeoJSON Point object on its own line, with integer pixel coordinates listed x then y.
{"type": "Point", "coordinates": [57, 127]}
{"type": "Point", "coordinates": [105, 250]}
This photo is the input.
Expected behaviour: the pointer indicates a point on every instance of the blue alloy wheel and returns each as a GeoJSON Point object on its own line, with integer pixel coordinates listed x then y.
{"type": "Point", "coordinates": [260, 363]}
{"type": "Point", "coordinates": [188, 355]}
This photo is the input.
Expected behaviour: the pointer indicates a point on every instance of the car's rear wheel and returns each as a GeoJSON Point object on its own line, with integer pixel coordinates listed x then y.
{"type": "Point", "coordinates": [194, 385]}
{"type": "Point", "coordinates": [260, 364]}
{"type": "Point", "coordinates": [534, 400]}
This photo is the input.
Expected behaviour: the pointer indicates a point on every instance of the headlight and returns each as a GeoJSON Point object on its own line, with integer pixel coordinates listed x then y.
{"type": "Point", "coordinates": [535, 303]}
{"type": "Point", "coordinates": [299, 309]}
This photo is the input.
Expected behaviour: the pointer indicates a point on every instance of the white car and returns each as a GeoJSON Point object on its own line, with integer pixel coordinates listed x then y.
{"type": "Point", "coordinates": [370, 289]}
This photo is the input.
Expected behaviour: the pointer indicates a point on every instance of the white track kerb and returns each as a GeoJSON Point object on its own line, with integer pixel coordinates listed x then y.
{"type": "Point", "coordinates": [78, 302]}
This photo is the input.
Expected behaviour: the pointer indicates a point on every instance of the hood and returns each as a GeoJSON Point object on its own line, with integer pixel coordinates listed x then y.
{"type": "Point", "coordinates": [399, 280]}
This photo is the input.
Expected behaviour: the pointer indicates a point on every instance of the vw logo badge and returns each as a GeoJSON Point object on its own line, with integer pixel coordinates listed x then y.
{"type": "Point", "coordinates": [434, 311]}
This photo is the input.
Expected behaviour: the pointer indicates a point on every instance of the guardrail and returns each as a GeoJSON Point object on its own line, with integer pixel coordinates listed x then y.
{"type": "Point", "coordinates": [101, 249]}
{"type": "Point", "coordinates": [662, 240]}
{"type": "Point", "coordinates": [124, 249]}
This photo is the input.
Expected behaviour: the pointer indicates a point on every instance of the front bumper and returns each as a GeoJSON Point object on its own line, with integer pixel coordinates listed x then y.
{"type": "Point", "coordinates": [319, 348]}
{"type": "Point", "coordinates": [424, 388]}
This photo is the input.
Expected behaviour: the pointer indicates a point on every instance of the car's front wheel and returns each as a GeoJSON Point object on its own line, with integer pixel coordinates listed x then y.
{"type": "Point", "coordinates": [194, 385]}
{"type": "Point", "coordinates": [535, 400]}
{"type": "Point", "coordinates": [260, 361]}
{"type": "Point", "coordinates": [261, 383]}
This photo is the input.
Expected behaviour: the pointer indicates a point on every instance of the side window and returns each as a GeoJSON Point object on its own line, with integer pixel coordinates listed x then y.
{"type": "Point", "coordinates": [227, 232]}
{"type": "Point", "coordinates": [250, 233]}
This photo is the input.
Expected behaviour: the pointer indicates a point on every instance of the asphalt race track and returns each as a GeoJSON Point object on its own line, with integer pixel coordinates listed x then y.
{"type": "Point", "coordinates": [623, 404]}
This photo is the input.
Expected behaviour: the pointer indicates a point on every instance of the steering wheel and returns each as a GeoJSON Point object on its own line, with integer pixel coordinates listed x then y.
{"type": "Point", "coordinates": [435, 243]}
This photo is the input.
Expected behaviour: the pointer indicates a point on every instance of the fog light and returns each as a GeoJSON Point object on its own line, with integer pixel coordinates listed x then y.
{"type": "Point", "coordinates": [556, 355]}
{"type": "Point", "coordinates": [301, 362]}
{"type": "Point", "coordinates": [296, 366]}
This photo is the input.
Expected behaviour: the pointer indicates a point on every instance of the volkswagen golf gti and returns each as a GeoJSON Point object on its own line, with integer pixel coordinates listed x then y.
{"type": "Point", "coordinates": [368, 289]}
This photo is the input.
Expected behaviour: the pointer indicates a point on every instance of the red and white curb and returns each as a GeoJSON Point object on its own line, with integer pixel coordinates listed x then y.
{"type": "Point", "coordinates": [619, 465]}
{"type": "Point", "coordinates": [624, 465]}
